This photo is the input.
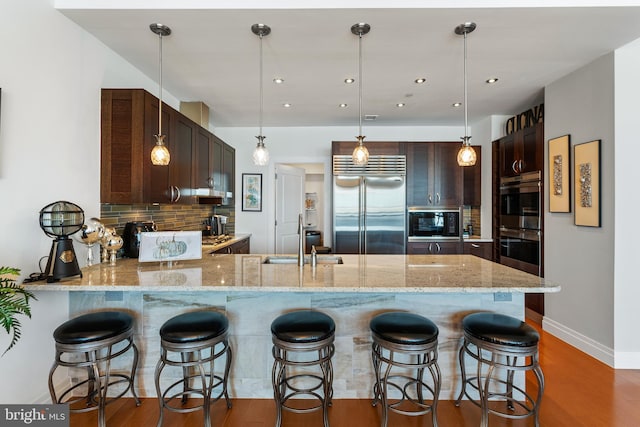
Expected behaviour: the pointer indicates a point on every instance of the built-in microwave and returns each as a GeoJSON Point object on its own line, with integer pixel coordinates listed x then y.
{"type": "Point", "coordinates": [430, 224]}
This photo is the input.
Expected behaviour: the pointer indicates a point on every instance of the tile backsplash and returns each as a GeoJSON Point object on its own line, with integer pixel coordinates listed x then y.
{"type": "Point", "coordinates": [166, 217]}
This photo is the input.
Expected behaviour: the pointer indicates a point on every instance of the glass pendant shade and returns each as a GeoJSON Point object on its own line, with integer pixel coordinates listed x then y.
{"type": "Point", "coordinates": [360, 155]}
{"type": "Point", "coordinates": [260, 153]}
{"type": "Point", "coordinates": [466, 155]}
{"type": "Point", "coordinates": [160, 153]}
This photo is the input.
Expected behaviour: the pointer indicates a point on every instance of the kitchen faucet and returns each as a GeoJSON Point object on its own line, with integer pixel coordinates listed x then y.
{"type": "Point", "coordinates": [300, 242]}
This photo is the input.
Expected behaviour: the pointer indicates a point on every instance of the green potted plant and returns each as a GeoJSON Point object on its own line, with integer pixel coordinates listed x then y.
{"type": "Point", "coordinates": [14, 300]}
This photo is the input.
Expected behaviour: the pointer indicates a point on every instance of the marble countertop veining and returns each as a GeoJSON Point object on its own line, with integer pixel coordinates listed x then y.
{"type": "Point", "coordinates": [358, 273]}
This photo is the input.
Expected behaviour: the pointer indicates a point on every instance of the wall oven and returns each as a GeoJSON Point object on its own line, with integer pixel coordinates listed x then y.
{"type": "Point", "coordinates": [520, 221]}
{"type": "Point", "coordinates": [431, 224]}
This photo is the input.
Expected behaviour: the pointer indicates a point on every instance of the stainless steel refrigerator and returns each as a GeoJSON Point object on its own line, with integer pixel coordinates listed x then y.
{"type": "Point", "coordinates": [369, 205]}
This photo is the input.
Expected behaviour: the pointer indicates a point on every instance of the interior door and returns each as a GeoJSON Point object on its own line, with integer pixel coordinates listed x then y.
{"type": "Point", "coordinates": [289, 205]}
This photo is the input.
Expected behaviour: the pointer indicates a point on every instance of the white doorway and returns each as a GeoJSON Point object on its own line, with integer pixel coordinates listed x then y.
{"type": "Point", "coordinates": [290, 189]}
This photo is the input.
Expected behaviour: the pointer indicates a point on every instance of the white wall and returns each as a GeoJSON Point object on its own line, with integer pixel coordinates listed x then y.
{"type": "Point", "coordinates": [51, 76]}
{"type": "Point", "coordinates": [581, 259]}
{"type": "Point", "coordinates": [627, 206]}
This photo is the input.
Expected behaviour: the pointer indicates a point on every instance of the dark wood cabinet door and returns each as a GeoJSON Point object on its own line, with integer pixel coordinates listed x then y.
{"type": "Point", "coordinates": [216, 148]}
{"type": "Point", "coordinates": [156, 186]}
{"type": "Point", "coordinates": [180, 168]}
{"type": "Point", "coordinates": [419, 174]}
{"type": "Point", "coordinates": [532, 149]}
{"type": "Point", "coordinates": [203, 160]}
{"type": "Point", "coordinates": [472, 179]}
{"type": "Point", "coordinates": [508, 156]}
{"type": "Point", "coordinates": [480, 249]}
{"type": "Point", "coordinates": [447, 184]}
{"type": "Point", "coordinates": [228, 171]}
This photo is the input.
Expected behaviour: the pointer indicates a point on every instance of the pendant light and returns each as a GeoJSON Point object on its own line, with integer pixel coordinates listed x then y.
{"type": "Point", "coordinates": [360, 154]}
{"type": "Point", "coordinates": [466, 154]}
{"type": "Point", "coordinates": [260, 154]}
{"type": "Point", "coordinates": [160, 153]}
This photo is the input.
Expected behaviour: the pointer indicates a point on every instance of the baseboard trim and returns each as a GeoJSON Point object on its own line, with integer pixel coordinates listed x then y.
{"type": "Point", "coordinates": [581, 342]}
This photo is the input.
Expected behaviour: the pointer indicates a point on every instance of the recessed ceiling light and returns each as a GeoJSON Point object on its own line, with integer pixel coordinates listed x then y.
{"type": "Point", "coordinates": [400, 104]}
{"type": "Point", "coordinates": [349, 81]}
{"type": "Point", "coordinates": [278, 80]}
{"type": "Point", "coordinates": [420, 80]}
{"type": "Point", "coordinates": [343, 105]}
{"type": "Point", "coordinates": [457, 104]}
{"type": "Point", "coordinates": [492, 80]}
{"type": "Point", "coordinates": [286, 105]}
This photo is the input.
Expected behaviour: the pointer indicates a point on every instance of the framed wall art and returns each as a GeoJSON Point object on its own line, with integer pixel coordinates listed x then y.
{"type": "Point", "coordinates": [252, 192]}
{"type": "Point", "coordinates": [586, 175]}
{"type": "Point", "coordinates": [559, 175]}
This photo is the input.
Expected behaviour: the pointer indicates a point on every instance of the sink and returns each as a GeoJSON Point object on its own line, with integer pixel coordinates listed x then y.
{"type": "Point", "coordinates": [292, 259]}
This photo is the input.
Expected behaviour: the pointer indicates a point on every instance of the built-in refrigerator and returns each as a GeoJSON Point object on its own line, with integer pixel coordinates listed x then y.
{"type": "Point", "coordinates": [369, 205]}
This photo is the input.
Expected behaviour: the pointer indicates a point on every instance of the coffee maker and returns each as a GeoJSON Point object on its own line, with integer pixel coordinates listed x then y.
{"type": "Point", "coordinates": [218, 225]}
{"type": "Point", "coordinates": [131, 237]}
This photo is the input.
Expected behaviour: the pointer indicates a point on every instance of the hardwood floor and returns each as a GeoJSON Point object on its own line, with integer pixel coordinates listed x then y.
{"type": "Point", "coordinates": [580, 392]}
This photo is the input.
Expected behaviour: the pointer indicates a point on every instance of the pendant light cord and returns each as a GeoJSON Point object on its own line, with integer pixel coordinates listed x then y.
{"type": "Point", "coordinates": [466, 133]}
{"type": "Point", "coordinates": [261, 94]}
{"type": "Point", "coordinates": [360, 85]}
{"type": "Point", "coordinates": [160, 94]}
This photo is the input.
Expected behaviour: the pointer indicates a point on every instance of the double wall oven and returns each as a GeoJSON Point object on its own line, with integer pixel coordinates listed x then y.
{"type": "Point", "coordinates": [520, 222]}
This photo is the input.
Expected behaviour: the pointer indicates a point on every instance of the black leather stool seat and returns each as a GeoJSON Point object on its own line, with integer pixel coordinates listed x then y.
{"type": "Point", "coordinates": [194, 327]}
{"type": "Point", "coordinates": [404, 328]}
{"type": "Point", "coordinates": [303, 326]}
{"type": "Point", "coordinates": [93, 327]}
{"type": "Point", "coordinates": [500, 329]}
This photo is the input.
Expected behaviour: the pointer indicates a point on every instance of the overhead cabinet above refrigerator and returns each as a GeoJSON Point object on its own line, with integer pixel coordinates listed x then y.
{"type": "Point", "coordinates": [369, 214]}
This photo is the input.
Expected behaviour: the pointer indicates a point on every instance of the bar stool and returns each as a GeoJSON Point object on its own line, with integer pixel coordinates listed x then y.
{"type": "Point", "coordinates": [91, 342]}
{"type": "Point", "coordinates": [191, 341]}
{"type": "Point", "coordinates": [503, 345]}
{"type": "Point", "coordinates": [409, 342]}
{"type": "Point", "coordinates": [301, 340]}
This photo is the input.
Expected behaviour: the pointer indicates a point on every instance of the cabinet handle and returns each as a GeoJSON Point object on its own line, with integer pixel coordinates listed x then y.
{"type": "Point", "coordinates": [178, 191]}
{"type": "Point", "coordinates": [475, 246]}
{"type": "Point", "coordinates": [210, 182]}
{"type": "Point", "coordinates": [430, 199]}
{"type": "Point", "coordinates": [438, 198]}
{"type": "Point", "coordinates": [430, 244]}
{"type": "Point", "coordinates": [171, 187]}
{"type": "Point", "coordinates": [437, 247]}
{"type": "Point", "coordinates": [514, 167]}
{"type": "Point", "coordinates": [520, 165]}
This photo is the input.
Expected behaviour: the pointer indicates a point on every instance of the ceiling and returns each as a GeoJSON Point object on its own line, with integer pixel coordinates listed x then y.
{"type": "Point", "coordinates": [212, 56]}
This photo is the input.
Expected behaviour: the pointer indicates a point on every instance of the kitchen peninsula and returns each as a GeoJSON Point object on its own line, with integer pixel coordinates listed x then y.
{"type": "Point", "coordinates": [252, 293]}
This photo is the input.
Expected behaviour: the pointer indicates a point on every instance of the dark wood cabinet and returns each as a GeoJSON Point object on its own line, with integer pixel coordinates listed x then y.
{"type": "Point", "coordinates": [472, 181]}
{"type": "Point", "coordinates": [204, 160]}
{"type": "Point", "coordinates": [228, 172]}
{"type": "Point", "coordinates": [240, 247]}
{"type": "Point", "coordinates": [434, 248]}
{"type": "Point", "coordinates": [129, 121]}
{"type": "Point", "coordinates": [480, 249]}
{"type": "Point", "coordinates": [433, 175]}
{"type": "Point", "coordinates": [522, 151]}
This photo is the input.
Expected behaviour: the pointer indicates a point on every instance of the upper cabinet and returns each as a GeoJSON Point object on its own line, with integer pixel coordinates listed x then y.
{"type": "Point", "coordinates": [129, 121]}
{"type": "Point", "coordinates": [433, 175]}
{"type": "Point", "coordinates": [472, 178]}
{"type": "Point", "coordinates": [522, 151]}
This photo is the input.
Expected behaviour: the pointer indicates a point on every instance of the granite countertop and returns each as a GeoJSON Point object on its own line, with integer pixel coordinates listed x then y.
{"type": "Point", "coordinates": [358, 273]}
